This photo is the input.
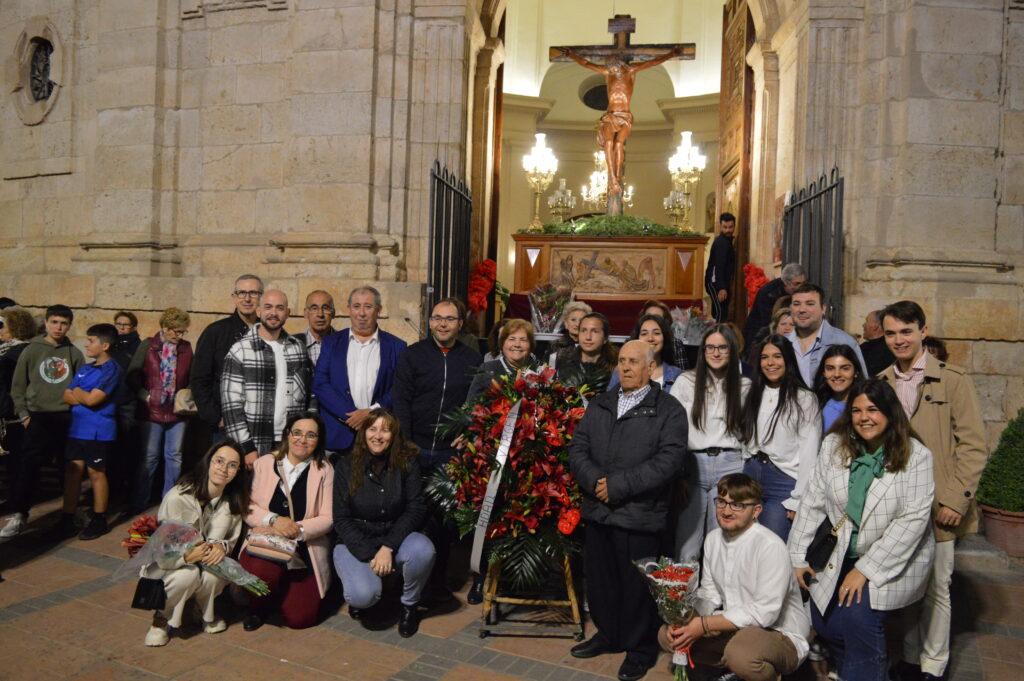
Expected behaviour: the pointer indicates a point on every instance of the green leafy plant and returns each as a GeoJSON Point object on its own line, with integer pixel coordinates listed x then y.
{"type": "Point", "coordinates": [613, 225]}
{"type": "Point", "coordinates": [1002, 483]}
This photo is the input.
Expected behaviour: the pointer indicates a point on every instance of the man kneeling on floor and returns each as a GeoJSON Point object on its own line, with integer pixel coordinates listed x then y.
{"type": "Point", "coordinates": [757, 627]}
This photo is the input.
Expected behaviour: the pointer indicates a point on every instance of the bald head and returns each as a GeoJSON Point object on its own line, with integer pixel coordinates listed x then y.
{"type": "Point", "coordinates": [636, 364]}
{"type": "Point", "coordinates": [274, 310]}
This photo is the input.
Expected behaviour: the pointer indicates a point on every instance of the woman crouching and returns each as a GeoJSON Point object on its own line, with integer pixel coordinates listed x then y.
{"type": "Point", "coordinates": [212, 499]}
{"type": "Point", "coordinates": [378, 506]}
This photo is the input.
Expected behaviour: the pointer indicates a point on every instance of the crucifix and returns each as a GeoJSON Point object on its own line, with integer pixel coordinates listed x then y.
{"type": "Point", "coordinates": [619, 63]}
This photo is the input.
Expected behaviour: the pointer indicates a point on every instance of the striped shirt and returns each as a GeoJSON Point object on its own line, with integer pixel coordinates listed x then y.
{"type": "Point", "coordinates": [629, 400]}
{"type": "Point", "coordinates": [907, 384]}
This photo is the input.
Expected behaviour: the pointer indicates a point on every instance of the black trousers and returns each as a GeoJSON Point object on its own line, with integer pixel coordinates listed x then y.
{"type": "Point", "coordinates": [46, 436]}
{"type": "Point", "coordinates": [719, 310]}
{"type": "Point", "coordinates": [620, 604]}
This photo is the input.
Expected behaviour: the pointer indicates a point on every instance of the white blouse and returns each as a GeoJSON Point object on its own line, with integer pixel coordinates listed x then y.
{"type": "Point", "coordinates": [714, 432]}
{"type": "Point", "coordinates": [793, 450]}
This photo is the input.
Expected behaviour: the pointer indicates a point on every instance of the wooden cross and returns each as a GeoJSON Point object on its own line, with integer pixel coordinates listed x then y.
{"type": "Point", "coordinates": [620, 27]}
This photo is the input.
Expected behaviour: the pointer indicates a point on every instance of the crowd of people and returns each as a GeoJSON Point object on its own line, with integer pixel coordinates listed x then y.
{"type": "Point", "coordinates": [320, 442]}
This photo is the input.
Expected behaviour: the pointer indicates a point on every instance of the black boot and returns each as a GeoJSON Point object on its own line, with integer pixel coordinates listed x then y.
{"type": "Point", "coordinates": [476, 592]}
{"type": "Point", "coordinates": [409, 623]}
{"type": "Point", "coordinates": [96, 528]}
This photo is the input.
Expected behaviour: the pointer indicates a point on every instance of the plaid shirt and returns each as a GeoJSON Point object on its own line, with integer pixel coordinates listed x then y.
{"type": "Point", "coordinates": [247, 388]}
{"type": "Point", "coordinates": [629, 400]}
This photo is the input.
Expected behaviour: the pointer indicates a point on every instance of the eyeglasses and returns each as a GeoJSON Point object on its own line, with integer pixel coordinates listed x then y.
{"type": "Point", "coordinates": [177, 332]}
{"type": "Point", "coordinates": [447, 320]}
{"type": "Point", "coordinates": [248, 294]}
{"type": "Point", "coordinates": [733, 505]}
{"type": "Point", "coordinates": [712, 349]}
{"type": "Point", "coordinates": [299, 435]}
{"type": "Point", "coordinates": [224, 463]}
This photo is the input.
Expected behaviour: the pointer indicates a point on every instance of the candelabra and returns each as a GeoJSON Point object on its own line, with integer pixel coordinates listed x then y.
{"type": "Point", "coordinates": [686, 167]}
{"type": "Point", "coordinates": [561, 203]}
{"type": "Point", "coordinates": [540, 166]}
{"type": "Point", "coordinates": [595, 192]}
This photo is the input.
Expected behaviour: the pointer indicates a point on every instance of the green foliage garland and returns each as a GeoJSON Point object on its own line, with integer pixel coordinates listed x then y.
{"type": "Point", "coordinates": [613, 225]}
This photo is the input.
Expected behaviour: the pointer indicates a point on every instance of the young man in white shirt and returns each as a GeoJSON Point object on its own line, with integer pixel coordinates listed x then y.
{"type": "Point", "coordinates": [755, 624]}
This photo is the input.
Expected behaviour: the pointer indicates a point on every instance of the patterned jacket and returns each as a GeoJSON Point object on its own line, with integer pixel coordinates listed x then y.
{"type": "Point", "coordinates": [895, 544]}
{"type": "Point", "coordinates": [247, 388]}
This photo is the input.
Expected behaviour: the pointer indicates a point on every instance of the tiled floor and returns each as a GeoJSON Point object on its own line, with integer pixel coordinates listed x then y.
{"type": "Point", "coordinates": [62, 617]}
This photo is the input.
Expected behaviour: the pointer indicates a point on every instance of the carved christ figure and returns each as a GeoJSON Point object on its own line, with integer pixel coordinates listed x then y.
{"type": "Point", "coordinates": [615, 125]}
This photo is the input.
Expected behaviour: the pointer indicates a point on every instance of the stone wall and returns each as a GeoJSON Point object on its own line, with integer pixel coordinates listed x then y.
{"type": "Point", "coordinates": [193, 140]}
{"type": "Point", "coordinates": [919, 104]}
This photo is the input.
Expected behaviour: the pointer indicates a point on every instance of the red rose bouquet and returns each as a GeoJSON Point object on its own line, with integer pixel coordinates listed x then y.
{"type": "Point", "coordinates": [753, 280]}
{"type": "Point", "coordinates": [139, 533]}
{"type": "Point", "coordinates": [536, 511]}
{"type": "Point", "coordinates": [669, 583]}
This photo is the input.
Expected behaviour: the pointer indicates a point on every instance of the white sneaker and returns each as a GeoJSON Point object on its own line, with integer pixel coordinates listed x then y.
{"type": "Point", "coordinates": [215, 627]}
{"type": "Point", "coordinates": [15, 524]}
{"type": "Point", "coordinates": [157, 636]}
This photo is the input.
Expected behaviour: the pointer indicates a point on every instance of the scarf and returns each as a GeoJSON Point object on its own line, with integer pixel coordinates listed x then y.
{"type": "Point", "coordinates": [863, 471]}
{"type": "Point", "coordinates": [7, 345]}
{"type": "Point", "coordinates": [168, 369]}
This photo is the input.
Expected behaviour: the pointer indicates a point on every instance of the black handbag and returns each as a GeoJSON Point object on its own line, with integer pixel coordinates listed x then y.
{"type": "Point", "coordinates": [149, 594]}
{"type": "Point", "coordinates": [823, 544]}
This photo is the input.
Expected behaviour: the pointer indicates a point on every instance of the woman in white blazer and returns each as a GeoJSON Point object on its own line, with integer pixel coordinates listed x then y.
{"type": "Point", "coordinates": [875, 476]}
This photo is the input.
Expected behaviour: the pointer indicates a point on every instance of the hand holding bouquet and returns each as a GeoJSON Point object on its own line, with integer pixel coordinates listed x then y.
{"type": "Point", "coordinates": [670, 585]}
{"type": "Point", "coordinates": [173, 541]}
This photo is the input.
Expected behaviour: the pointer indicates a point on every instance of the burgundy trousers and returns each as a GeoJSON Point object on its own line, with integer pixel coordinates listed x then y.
{"type": "Point", "coordinates": [293, 592]}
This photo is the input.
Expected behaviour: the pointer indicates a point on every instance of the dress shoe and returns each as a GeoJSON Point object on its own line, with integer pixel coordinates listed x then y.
{"type": "Point", "coordinates": [252, 622]}
{"type": "Point", "coordinates": [905, 671]}
{"type": "Point", "coordinates": [355, 613]}
{"type": "Point", "coordinates": [631, 670]}
{"type": "Point", "coordinates": [592, 648]}
{"type": "Point", "coordinates": [409, 623]}
{"type": "Point", "coordinates": [476, 592]}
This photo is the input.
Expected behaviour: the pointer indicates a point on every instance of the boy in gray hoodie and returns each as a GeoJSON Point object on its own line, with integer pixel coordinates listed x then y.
{"type": "Point", "coordinates": [43, 372]}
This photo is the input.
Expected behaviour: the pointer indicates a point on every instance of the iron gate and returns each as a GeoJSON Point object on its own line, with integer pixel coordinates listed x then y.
{"type": "Point", "coordinates": [812, 235]}
{"type": "Point", "coordinates": [451, 206]}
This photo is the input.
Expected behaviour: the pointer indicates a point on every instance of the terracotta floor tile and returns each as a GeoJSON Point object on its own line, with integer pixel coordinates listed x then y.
{"type": "Point", "coordinates": [113, 671]}
{"type": "Point", "coordinates": [447, 624]}
{"type": "Point", "coordinates": [997, 670]}
{"type": "Point", "coordinates": [361, 660]}
{"type": "Point", "coordinates": [1002, 648]}
{"type": "Point", "coordinates": [240, 665]}
{"type": "Point", "coordinates": [50, 573]}
{"type": "Point", "coordinates": [181, 654]}
{"type": "Point", "coordinates": [301, 647]}
{"type": "Point", "coordinates": [13, 591]}
{"type": "Point", "coordinates": [991, 600]}
{"type": "Point", "coordinates": [117, 598]}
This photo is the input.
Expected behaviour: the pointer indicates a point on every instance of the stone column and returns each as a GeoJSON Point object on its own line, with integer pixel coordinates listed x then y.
{"type": "Point", "coordinates": [488, 59]}
{"type": "Point", "coordinates": [765, 208]}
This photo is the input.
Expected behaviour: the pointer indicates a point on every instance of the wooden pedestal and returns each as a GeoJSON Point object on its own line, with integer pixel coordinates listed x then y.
{"type": "Point", "coordinates": [616, 268]}
{"type": "Point", "coordinates": [492, 624]}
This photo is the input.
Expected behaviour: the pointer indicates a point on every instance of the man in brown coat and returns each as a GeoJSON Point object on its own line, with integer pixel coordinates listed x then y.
{"type": "Point", "coordinates": [943, 407]}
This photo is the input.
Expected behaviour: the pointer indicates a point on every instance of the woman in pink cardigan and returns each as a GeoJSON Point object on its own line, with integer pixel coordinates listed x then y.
{"type": "Point", "coordinates": [292, 492]}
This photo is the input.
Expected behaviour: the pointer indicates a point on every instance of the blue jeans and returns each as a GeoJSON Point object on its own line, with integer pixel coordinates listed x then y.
{"type": "Point", "coordinates": [362, 588]}
{"type": "Point", "coordinates": [698, 518]}
{"type": "Point", "coordinates": [160, 439]}
{"type": "Point", "coordinates": [777, 487]}
{"type": "Point", "coordinates": [855, 634]}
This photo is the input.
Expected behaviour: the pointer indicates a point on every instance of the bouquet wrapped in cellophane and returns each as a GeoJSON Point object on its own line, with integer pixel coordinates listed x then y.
{"type": "Point", "coordinates": [670, 584]}
{"type": "Point", "coordinates": [171, 541]}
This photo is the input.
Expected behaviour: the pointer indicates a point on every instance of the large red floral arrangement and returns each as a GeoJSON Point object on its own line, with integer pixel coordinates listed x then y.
{"type": "Point", "coordinates": [537, 508]}
{"type": "Point", "coordinates": [484, 278]}
{"type": "Point", "coordinates": [753, 280]}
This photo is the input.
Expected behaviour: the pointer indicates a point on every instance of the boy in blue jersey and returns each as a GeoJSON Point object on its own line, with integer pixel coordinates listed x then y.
{"type": "Point", "coordinates": [93, 430]}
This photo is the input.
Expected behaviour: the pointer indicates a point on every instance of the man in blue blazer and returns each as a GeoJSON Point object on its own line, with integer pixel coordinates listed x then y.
{"type": "Point", "coordinates": [355, 370]}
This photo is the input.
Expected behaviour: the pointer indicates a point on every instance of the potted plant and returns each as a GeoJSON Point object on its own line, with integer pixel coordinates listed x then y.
{"type": "Point", "coordinates": [1001, 490]}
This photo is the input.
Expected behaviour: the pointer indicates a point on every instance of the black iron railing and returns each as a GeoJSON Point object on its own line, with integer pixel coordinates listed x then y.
{"type": "Point", "coordinates": [812, 235]}
{"type": "Point", "coordinates": [451, 207]}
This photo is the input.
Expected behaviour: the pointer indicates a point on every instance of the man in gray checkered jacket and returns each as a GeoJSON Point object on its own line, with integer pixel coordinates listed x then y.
{"type": "Point", "coordinates": [266, 379]}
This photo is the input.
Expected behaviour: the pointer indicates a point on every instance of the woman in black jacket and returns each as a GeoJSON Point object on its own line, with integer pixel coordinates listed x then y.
{"type": "Point", "coordinates": [19, 328]}
{"type": "Point", "coordinates": [378, 506]}
{"type": "Point", "coordinates": [516, 344]}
